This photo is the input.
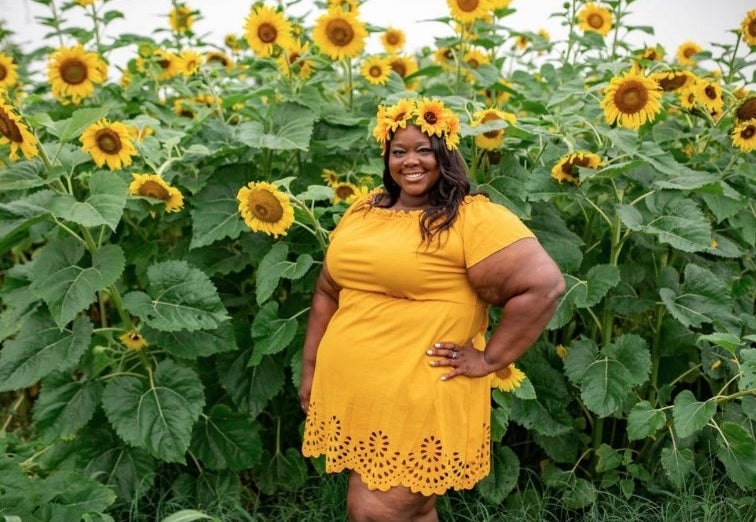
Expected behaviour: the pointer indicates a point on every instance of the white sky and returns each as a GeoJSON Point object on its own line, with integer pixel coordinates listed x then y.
{"type": "Point", "coordinates": [674, 21]}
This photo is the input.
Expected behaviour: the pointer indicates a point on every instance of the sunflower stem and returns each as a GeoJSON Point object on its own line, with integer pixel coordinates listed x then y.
{"type": "Point", "coordinates": [96, 24]}
{"type": "Point", "coordinates": [56, 23]}
{"type": "Point", "coordinates": [350, 94]}
{"type": "Point", "coordinates": [731, 65]}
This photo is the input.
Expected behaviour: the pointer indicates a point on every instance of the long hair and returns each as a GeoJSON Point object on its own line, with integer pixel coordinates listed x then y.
{"type": "Point", "coordinates": [445, 196]}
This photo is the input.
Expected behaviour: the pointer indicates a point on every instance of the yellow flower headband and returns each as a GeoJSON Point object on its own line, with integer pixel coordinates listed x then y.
{"type": "Point", "coordinates": [429, 114]}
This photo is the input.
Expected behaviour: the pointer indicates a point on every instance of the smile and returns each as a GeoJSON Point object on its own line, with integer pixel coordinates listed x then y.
{"type": "Point", "coordinates": [411, 176]}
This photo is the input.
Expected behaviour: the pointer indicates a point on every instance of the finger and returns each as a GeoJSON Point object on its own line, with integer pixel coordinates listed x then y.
{"type": "Point", "coordinates": [451, 374]}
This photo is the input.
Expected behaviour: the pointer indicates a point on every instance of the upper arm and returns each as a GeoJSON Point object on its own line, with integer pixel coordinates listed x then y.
{"type": "Point", "coordinates": [326, 286]}
{"type": "Point", "coordinates": [521, 267]}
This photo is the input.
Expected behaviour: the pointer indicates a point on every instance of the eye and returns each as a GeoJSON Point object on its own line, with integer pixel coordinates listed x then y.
{"type": "Point", "coordinates": [397, 152]}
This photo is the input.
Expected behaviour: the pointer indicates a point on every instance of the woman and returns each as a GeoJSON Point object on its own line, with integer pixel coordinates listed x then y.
{"type": "Point", "coordinates": [396, 370]}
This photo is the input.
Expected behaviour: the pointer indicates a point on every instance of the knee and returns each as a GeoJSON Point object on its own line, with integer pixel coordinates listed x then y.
{"type": "Point", "coordinates": [365, 510]}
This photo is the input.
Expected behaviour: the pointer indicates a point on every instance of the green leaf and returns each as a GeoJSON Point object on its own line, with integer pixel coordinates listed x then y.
{"type": "Point", "coordinates": [728, 341]}
{"type": "Point", "coordinates": [225, 439]}
{"type": "Point", "coordinates": [690, 415]}
{"type": "Point", "coordinates": [17, 216]}
{"type": "Point", "coordinates": [275, 266]}
{"type": "Point", "coordinates": [580, 494]}
{"type": "Point", "coordinates": [643, 421]}
{"type": "Point", "coordinates": [702, 298]}
{"type": "Point", "coordinates": [40, 348]}
{"type": "Point", "coordinates": [23, 175]}
{"type": "Point", "coordinates": [630, 217]}
{"type": "Point", "coordinates": [157, 414]}
{"type": "Point", "coordinates": [608, 458]}
{"type": "Point", "coordinates": [737, 451]}
{"type": "Point", "coordinates": [270, 334]}
{"type": "Point", "coordinates": [605, 386]}
{"type": "Point", "coordinates": [103, 206]}
{"type": "Point", "coordinates": [286, 471]}
{"type": "Point", "coordinates": [129, 471]}
{"type": "Point", "coordinates": [681, 225]}
{"type": "Point", "coordinates": [187, 515]}
{"type": "Point", "coordinates": [215, 209]}
{"type": "Point", "coordinates": [632, 351]}
{"type": "Point", "coordinates": [250, 388]}
{"type": "Point", "coordinates": [678, 464]}
{"type": "Point", "coordinates": [180, 298]}
{"type": "Point", "coordinates": [72, 127]}
{"type": "Point", "coordinates": [599, 280]}
{"type": "Point", "coordinates": [193, 344]}
{"type": "Point", "coordinates": [64, 405]}
{"type": "Point", "coordinates": [747, 380]}
{"type": "Point", "coordinates": [67, 287]}
{"type": "Point", "coordinates": [505, 469]}
{"type": "Point", "coordinates": [70, 496]}
{"type": "Point", "coordinates": [291, 128]}
{"type": "Point", "coordinates": [581, 354]}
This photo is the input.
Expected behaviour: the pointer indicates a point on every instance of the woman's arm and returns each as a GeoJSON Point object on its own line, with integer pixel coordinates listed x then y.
{"type": "Point", "coordinates": [522, 279]}
{"type": "Point", "coordinates": [325, 301]}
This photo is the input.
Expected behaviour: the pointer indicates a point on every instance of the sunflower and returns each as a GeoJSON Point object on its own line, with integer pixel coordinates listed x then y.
{"type": "Point", "coordinates": [493, 139]}
{"type": "Point", "coordinates": [15, 132]}
{"type": "Point", "coordinates": [84, 3]}
{"type": "Point", "coordinates": [376, 70]}
{"type": "Point", "coordinates": [330, 177]}
{"type": "Point", "coordinates": [744, 135]}
{"type": "Point", "coordinates": [219, 58]}
{"type": "Point", "coordinates": [497, 94]}
{"type": "Point", "coordinates": [138, 134]}
{"type": "Point", "coordinates": [688, 97]}
{"type": "Point", "coordinates": [543, 33]}
{"type": "Point", "coordinates": [445, 57]}
{"type": "Point", "coordinates": [432, 116]}
{"type": "Point", "coordinates": [564, 169]}
{"type": "Point", "coordinates": [339, 34]}
{"type": "Point", "coordinates": [508, 379]}
{"type": "Point", "coordinates": [561, 351]}
{"type": "Point", "coordinates": [468, 11]}
{"type": "Point", "coordinates": [686, 51]}
{"type": "Point", "coordinates": [295, 62]}
{"type": "Point", "coordinates": [522, 41]}
{"type": "Point", "coordinates": [153, 186]}
{"type": "Point", "coordinates": [631, 100]}
{"type": "Point", "coordinates": [108, 142]}
{"type": "Point", "coordinates": [181, 19]}
{"type": "Point", "coordinates": [347, 6]}
{"type": "Point", "coordinates": [133, 340]}
{"type": "Point", "coordinates": [748, 28]}
{"type": "Point", "coordinates": [671, 81]}
{"type": "Point", "coordinates": [404, 66]}
{"type": "Point", "coordinates": [709, 95]}
{"type": "Point", "coordinates": [746, 110]}
{"type": "Point", "coordinates": [183, 107]}
{"type": "Point", "coordinates": [266, 29]}
{"type": "Point", "coordinates": [595, 17]}
{"type": "Point", "coordinates": [389, 119]}
{"type": "Point", "coordinates": [232, 42]}
{"type": "Point", "coordinates": [495, 5]}
{"type": "Point", "coordinates": [190, 62]}
{"type": "Point", "coordinates": [475, 58]}
{"type": "Point", "coordinates": [343, 191]}
{"type": "Point", "coordinates": [8, 72]}
{"type": "Point", "coordinates": [652, 54]}
{"type": "Point", "coordinates": [265, 208]}
{"type": "Point", "coordinates": [72, 72]}
{"type": "Point", "coordinates": [393, 40]}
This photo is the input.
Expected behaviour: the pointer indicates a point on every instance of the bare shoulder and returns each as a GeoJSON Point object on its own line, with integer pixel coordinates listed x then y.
{"type": "Point", "coordinates": [521, 267]}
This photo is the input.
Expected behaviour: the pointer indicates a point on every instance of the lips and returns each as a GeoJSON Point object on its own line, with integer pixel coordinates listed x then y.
{"type": "Point", "coordinates": [413, 176]}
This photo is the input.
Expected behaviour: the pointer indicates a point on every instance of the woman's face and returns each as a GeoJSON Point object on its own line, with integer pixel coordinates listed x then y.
{"type": "Point", "coordinates": [413, 166]}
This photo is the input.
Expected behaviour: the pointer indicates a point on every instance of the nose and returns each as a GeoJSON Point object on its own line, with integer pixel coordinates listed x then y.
{"type": "Point", "coordinates": [410, 158]}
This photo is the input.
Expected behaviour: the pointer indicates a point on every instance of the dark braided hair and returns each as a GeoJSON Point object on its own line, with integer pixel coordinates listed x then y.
{"type": "Point", "coordinates": [445, 196]}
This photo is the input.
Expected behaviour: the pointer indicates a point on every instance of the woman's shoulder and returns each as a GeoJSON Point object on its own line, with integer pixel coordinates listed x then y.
{"type": "Point", "coordinates": [480, 207]}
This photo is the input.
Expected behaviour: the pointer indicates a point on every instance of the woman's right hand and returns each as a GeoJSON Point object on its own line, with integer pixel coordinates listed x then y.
{"type": "Point", "coordinates": [305, 387]}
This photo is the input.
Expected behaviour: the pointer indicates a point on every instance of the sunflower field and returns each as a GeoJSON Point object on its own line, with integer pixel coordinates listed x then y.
{"type": "Point", "coordinates": [162, 223]}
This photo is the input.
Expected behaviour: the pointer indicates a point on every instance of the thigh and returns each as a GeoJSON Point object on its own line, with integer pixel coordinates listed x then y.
{"type": "Point", "coordinates": [396, 504]}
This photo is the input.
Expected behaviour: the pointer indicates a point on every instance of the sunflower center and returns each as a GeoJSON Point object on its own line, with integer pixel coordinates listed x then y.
{"type": "Point", "coordinates": [710, 92]}
{"type": "Point", "coordinates": [265, 206]}
{"type": "Point", "coordinates": [473, 63]}
{"type": "Point", "coordinates": [217, 58]}
{"type": "Point", "coordinates": [399, 68]}
{"type": "Point", "coordinates": [393, 39]}
{"type": "Point", "coordinates": [596, 21]}
{"type": "Point", "coordinates": [430, 118]}
{"type": "Point", "coordinates": [747, 109]}
{"type": "Point", "coordinates": [267, 33]}
{"type": "Point", "coordinates": [504, 373]}
{"type": "Point", "coordinates": [9, 129]}
{"type": "Point", "coordinates": [152, 189]}
{"type": "Point", "coordinates": [631, 97]}
{"type": "Point", "coordinates": [673, 83]}
{"type": "Point", "coordinates": [344, 191]}
{"type": "Point", "coordinates": [748, 132]}
{"type": "Point", "coordinates": [688, 52]}
{"type": "Point", "coordinates": [468, 6]}
{"type": "Point", "coordinates": [3, 72]}
{"type": "Point", "coordinates": [108, 141]}
{"type": "Point", "coordinates": [340, 32]}
{"type": "Point", "coordinates": [752, 28]}
{"type": "Point", "coordinates": [375, 71]}
{"type": "Point", "coordinates": [492, 133]}
{"type": "Point", "coordinates": [73, 71]}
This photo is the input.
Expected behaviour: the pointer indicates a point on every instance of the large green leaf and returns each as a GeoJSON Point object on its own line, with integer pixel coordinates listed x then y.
{"type": "Point", "coordinates": [291, 127]}
{"type": "Point", "coordinates": [690, 415]}
{"type": "Point", "coordinates": [284, 470]}
{"type": "Point", "coordinates": [581, 354]}
{"type": "Point", "coordinates": [681, 225]}
{"type": "Point", "coordinates": [70, 128]}
{"type": "Point", "coordinates": [250, 388]}
{"type": "Point", "coordinates": [737, 451]}
{"type": "Point", "coordinates": [180, 298]}
{"type": "Point", "coordinates": [215, 209]}
{"type": "Point", "coordinates": [275, 266]}
{"type": "Point", "coordinates": [67, 286]}
{"type": "Point", "coordinates": [747, 380]}
{"type": "Point", "coordinates": [70, 496]}
{"type": "Point", "coordinates": [702, 298]}
{"type": "Point", "coordinates": [632, 352]}
{"type": "Point", "coordinates": [193, 344]}
{"type": "Point", "coordinates": [678, 464]}
{"type": "Point", "coordinates": [18, 215]}
{"type": "Point", "coordinates": [40, 348]}
{"type": "Point", "coordinates": [644, 420]}
{"type": "Point", "coordinates": [64, 405]}
{"type": "Point", "coordinates": [103, 206]}
{"type": "Point", "coordinates": [605, 386]}
{"type": "Point", "coordinates": [225, 439]}
{"type": "Point", "coordinates": [598, 281]}
{"type": "Point", "coordinates": [129, 471]}
{"type": "Point", "coordinates": [158, 413]}
{"type": "Point", "coordinates": [23, 175]}
{"type": "Point", "coordinates": [270, 333]}
{"type": "Point", "coordinates": [505, 469]}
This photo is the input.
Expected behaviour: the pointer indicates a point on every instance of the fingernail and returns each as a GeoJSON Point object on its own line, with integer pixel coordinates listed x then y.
{"type": "Point", "coordinates": [443, 377]}
{"type": "Point", "coordinates": [429, 352]}
{"type": "Point", "coordinates": [437, 345]}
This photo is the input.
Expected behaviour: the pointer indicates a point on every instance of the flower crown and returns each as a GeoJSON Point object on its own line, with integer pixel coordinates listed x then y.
{"type": "Point", "coordinates": [429, 114]}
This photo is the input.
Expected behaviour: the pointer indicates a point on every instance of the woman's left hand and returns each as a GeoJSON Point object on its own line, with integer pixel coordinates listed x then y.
{"type": "Point", "coordinates": [462, 359]}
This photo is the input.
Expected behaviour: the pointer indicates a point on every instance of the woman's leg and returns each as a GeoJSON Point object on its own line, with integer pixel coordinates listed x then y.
{"type": "Point", "coordinates": [398, 504]}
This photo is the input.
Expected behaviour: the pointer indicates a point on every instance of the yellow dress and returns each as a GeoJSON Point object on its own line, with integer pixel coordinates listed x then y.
{"type": "Point", "coordinates": [377, 406]}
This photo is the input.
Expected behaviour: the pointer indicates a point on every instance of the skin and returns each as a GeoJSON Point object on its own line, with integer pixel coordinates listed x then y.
{"type": "Point", "coordinates": [521, 278]}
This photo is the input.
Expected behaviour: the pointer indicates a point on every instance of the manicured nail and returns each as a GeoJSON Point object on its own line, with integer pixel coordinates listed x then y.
{"type": "Point", "coordinates": [429, 352]}
{"type": "Point", "coordinates": [437, 345]}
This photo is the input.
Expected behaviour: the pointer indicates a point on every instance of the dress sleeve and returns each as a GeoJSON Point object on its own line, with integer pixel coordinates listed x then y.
{"type": "Point", "coordinates": [487, 227]}
{"type": "Point", "coordinates": [359, 204]}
